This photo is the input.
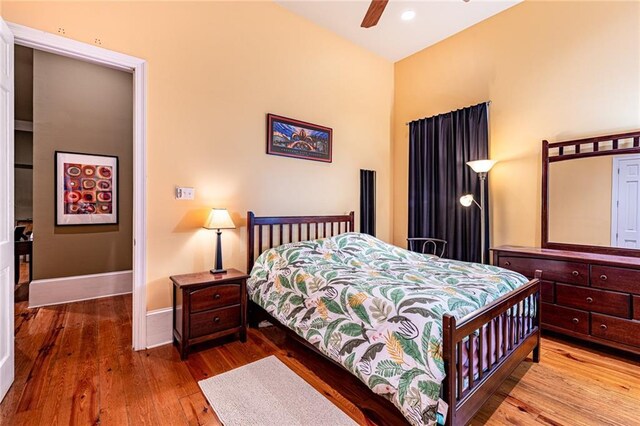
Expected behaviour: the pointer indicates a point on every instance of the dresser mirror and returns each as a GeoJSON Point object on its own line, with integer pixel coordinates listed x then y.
{"type": "Point", "coordinates": [591, 194]}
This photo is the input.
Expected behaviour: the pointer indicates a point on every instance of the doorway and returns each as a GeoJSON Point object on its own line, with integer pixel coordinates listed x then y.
{"type": "Point", "coordinates": [75, 235]}
{"type": "Point", "coordinates": [625, 215]}
{"type": "Point", "coordinates": [35, 39]}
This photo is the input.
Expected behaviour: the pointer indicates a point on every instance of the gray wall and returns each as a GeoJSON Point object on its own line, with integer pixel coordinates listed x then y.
{"type": "Point", "coordinates": [23, 140]}
{"type": "Point", "coordinates": [86, 108]}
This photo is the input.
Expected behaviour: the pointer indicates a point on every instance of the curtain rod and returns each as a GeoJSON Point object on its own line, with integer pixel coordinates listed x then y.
{"type": "Point", "coordinates": [418, 119]}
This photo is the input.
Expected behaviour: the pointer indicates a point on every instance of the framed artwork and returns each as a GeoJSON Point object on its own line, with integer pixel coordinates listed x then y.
{"type": "Point", "coordinates": [293, 138]}
{"type": "Point", "coordinates": [86, 189]}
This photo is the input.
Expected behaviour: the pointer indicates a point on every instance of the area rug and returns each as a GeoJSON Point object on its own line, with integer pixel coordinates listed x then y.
{"type": "Point", "coordinates": [267, 392]}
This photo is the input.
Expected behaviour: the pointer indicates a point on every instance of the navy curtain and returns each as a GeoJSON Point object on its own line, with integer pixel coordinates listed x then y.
{"type": "Point", "coordinates": [368, 202]}
{"type": "Point", "coordinates": [439, 148]}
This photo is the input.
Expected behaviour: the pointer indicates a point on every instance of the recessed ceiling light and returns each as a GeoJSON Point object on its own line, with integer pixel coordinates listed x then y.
{"type": "Point", "coordinates": [408, 15]}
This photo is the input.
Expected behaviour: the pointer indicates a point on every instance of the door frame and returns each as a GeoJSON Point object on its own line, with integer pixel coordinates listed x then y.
{"type": "Point", "coordinates": [41, 40]}
{"type": "Point", "coordinates": [615, 186]}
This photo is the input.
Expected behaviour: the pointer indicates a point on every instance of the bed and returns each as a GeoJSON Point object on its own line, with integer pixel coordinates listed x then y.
{"type": "Point", "coordinates": [430, 335]}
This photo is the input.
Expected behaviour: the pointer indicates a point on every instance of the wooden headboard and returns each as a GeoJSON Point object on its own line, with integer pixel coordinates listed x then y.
{"type": "Point", "coordinates": [268, 232]}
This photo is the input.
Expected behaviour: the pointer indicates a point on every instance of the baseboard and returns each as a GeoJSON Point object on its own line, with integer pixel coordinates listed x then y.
{"type": "Point", "coordinates": [159, 327]}
{"type": "Point", "coordinates": [55, 291]}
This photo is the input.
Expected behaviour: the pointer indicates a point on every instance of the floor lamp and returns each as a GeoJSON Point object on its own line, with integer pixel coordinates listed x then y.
{"type": "Point", "coordinates": [481, 167]}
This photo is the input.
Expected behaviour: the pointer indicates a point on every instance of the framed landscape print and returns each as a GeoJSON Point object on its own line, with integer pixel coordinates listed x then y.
{"type": "Point", "coordinates": [294, 138]}
{"type": "Point", "coordinates": [86, 189]}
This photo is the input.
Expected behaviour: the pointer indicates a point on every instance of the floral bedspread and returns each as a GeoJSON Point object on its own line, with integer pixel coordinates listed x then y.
{"type": "Point", "coordinates": [376, 309]}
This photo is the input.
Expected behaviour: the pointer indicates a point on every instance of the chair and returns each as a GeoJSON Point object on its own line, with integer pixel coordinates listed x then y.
{"type": "Point", "coordinates": [18, 233]}
{"type": "Point", "coordinates": [23, 247]}
{"type": "Point", "coordinates": [422, 245]}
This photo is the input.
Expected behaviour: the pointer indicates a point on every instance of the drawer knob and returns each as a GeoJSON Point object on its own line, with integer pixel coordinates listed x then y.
{"type": "Point", "coordinates": [216, 319]}
{"type": "Point", "coordinates": [575, 273]}
{"type": "Point", "coordinates": [603, 277]}
{"type": "Point", "coordinates": [589, 299]}
{"type": "Point", "coordinates": [575, 320]}
{"type": "Point", "coordinates": [603, 326]}
{"type": "Point", "coordinates": [507, 263]}
{"type": "Point", "coordinates": [216, 296]}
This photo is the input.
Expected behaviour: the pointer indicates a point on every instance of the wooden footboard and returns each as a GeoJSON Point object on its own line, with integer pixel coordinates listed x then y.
{"type": "Point", "coordinates": [495, 340]}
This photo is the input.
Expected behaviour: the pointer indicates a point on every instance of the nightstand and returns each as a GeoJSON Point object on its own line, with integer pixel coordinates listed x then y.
{"type": "Point", "coordinates": [207, 306]}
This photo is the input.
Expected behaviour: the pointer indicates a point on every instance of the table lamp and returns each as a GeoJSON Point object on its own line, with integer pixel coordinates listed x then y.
{"type": "Point", "coordinates": [219, 219]}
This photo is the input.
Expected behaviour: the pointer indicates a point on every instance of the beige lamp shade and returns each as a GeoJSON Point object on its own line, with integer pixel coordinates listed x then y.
{"type": "Point", "coordinates": [219, 219]}
{"type": "Point", "coordinates": [481, 166]}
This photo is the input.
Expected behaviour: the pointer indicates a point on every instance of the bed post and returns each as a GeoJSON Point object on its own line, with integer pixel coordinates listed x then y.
{"type": "Point", "coordinates": [252, 315]}
{"type": "Point", "coordinates": [250, 241]}
{"type": "Point", "coordinates": [449, 358]}
{"type": "Point", "coordinates": [352, 227]}
{"type": "Point", "coordinates": [538, 318]}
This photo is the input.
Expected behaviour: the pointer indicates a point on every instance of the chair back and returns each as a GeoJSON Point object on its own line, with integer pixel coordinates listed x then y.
{"type": "Point", "coordinates": [434, 246]}
{"type": "Point", "coordinates": [18, 233]}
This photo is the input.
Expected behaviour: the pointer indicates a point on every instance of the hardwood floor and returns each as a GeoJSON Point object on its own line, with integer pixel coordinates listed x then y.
{"type": "Point", "coordinates": [74, 365]}
{"type": "Point", "coordinates": [21, 290]}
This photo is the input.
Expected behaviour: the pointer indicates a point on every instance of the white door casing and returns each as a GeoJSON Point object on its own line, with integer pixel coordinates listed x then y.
{"type": "Point", "coordinates": [7, 243]}
{"type": "Point", "coordinates": [625, 214]}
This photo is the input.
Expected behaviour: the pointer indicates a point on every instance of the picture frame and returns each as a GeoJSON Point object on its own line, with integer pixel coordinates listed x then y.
{"type": "Point", "coordinates": [288, 137]}
{"type": "Point", "coordinates": [86, 189]}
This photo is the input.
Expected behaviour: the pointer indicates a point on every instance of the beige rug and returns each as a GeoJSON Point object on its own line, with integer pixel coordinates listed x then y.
{"type": "Point", "coordinates": [267, 392]}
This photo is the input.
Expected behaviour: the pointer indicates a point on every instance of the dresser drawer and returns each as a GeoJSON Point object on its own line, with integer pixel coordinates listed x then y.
{"type": "Point", "coordinates": [636, 307]}
{"type": "Point", "coordinates": [552, 270]}
{"type": "Point", "coordinates": [616, 329]}
{"type": "Point", "coordinates": [620, 279]}
{"type": "Point", "coordinates": [215, 297]}
{"type": "Point", "coordinates": [606, 302]}
{"type": "Point", "coordinates": [569, 319]}
{"type": "Point", "coordinates": [547, 291]}
{"type": "Point", "coordinates": [209, 322]}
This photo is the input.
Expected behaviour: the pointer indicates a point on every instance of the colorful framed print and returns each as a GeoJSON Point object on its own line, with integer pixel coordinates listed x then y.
{"type": "Point", "coordinates": [293, 138]}
{"type": "Point", "coordinates": [86, 189]}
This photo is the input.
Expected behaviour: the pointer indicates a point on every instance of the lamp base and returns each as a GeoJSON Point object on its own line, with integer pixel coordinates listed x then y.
{"type": "Point", "coordinates": [218, 271]}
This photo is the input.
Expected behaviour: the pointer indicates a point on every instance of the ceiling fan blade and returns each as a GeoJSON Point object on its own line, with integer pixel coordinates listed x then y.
{"type": "Point", "coordinates": [374, 13]}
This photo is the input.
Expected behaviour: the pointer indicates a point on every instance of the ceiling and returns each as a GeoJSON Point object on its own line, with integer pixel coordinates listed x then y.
{"type": "Point", "coordinates": [394, 38]}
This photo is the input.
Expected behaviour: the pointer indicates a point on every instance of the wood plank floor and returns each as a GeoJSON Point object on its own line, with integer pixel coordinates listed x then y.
{"type": "Point", "coordinates": [74, 366]}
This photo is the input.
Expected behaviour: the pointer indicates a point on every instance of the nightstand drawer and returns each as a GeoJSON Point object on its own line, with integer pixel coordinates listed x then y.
{"type": "Point", "coordinates": [606, 302]}
{"type": "Point", "coordinates": [209, 322]}
{"type": "Point", "coordinates": [215, 297]}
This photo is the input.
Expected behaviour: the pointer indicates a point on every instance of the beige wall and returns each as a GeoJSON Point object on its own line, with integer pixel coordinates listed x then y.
{"type": "Point", "coordinates": [580, 201]}
{"type": "Point", "coordinates": [215, 70]}
{"type": "Point", "coordinates": [80, 107]}
{"type": "Point", "coordinates": [554, 70]}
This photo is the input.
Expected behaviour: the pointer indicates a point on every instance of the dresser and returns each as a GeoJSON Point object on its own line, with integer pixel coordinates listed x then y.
{"type": "Point", "coordinates": [593, 297]}
{"type": "Point", "coordinates": [208, 306]}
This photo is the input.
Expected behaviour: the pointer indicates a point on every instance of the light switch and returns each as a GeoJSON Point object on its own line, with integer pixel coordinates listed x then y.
{"type": "Point", "coordinates": [185, 193]}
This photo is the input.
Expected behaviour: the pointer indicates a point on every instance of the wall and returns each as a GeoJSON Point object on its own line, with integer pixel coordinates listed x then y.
{"type": "Point", "coordinates": [23, 62]}
{"type": "Point", "coordinates": [554, 70]}
{"type": "Point", "coordinates": [214, 70]}
{"type": "Point", "coordinates": [584, 184]}
{"type": "Point", "coordinates": [80, 107]}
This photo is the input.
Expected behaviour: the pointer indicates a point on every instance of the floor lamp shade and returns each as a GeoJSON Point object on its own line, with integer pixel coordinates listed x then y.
{"type": "Point", "coordinates": [219, 219]}
{"type": "Point", "coordinates": [481, 167]}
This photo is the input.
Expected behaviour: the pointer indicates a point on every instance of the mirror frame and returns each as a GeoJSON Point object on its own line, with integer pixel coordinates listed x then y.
{"type": "Point", "coordinates": [574, 152]}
